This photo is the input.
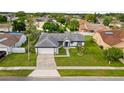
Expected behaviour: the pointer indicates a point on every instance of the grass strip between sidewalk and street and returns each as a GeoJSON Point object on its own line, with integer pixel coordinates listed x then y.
{"type": "Point", "coordinates": [91, 72]}
{"type": "Point", "coordinates": [15, 72]}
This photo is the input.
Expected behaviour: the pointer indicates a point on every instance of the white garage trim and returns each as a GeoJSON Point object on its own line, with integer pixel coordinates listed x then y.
{"type": "Point", "coordinates": [45, 50]}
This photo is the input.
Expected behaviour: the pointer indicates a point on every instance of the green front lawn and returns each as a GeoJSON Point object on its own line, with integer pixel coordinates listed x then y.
{"type": "Point", "coordinates": [15, 73]}
{"type": "Point", "coordinates": [93, 56]}
{"type": "Point", "coordinates": [91, 72]}
{"type": "Point", "coordinates": [18, 60]}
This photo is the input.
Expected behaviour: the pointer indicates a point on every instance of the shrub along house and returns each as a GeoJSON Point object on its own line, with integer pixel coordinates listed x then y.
{"type": "Point", "coordinates": [108, 39]}
{"type": "Point", "coordinates": [49, 43]}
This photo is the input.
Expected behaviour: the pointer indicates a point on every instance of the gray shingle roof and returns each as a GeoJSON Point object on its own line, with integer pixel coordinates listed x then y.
{"type": "Point", "coordinates": [50, 40]}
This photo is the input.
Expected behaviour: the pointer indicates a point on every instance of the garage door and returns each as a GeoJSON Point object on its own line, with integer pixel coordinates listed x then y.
{"type": "Point", "coordinates": [45, 50]}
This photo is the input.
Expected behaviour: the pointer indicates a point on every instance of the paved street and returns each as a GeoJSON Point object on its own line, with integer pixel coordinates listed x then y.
{"type": "Point", "coordinates": [85, 78]}
{"type": "Point", "coordinates": [46, 67]}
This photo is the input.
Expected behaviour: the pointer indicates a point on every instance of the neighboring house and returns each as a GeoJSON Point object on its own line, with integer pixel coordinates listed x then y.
{"type": "Point", "coordinates": [108, 39]}
{"type": "Point", "coordinates": [39, 22]}
{"type": "Point", "coordinates": [91, 27]}
{"type": "Point", "coordinates": [116, 23]}
{"type": "Point", "coordinates": [49, 43]}
{"type": "Point", "coordinates": [5, 28]}
{"type": "Point", "coordinates": [8, 41]}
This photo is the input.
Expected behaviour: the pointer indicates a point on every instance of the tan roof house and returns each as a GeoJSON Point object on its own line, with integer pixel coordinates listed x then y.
{"type": "Point", "coordinates": [5, 27]}
{"type": "Point", "coordinates": [111, 38]}
{"type": "Point", "coordinates": [91, 27]}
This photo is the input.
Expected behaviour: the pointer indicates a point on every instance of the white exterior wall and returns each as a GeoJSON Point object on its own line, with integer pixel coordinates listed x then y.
{"type": "Point", "coordinates": [73, 44]}
{"type": "Point", "coordinates": [6, 29]}
{"type": "Point", "coordinates": [83, 43]}
{"type": "Point", "coordinates": [56, 50]}
{"type": "Point", "coordinates": [18, 50]}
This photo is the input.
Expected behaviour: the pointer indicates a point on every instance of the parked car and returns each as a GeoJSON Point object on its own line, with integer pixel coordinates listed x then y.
{"type": "Point", "coordinates": [2, 54]}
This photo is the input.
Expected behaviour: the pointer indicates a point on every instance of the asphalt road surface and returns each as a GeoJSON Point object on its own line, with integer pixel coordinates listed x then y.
{"type": "Point", "coordinates": [93, 78]}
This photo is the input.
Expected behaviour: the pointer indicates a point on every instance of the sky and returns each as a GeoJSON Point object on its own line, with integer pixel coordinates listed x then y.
{"type": "Point", "coordinates": [71, 6]}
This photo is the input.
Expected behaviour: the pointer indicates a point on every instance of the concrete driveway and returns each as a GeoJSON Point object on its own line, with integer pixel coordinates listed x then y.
{"type": "Point", "coordinates": [46, 67]}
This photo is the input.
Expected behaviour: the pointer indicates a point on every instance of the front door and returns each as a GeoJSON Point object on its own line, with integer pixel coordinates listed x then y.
{"type": "Point", "coordinates": [66, 44]}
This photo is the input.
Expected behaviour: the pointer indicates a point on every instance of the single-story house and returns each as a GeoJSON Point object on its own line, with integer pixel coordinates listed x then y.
{"type": "Point", "coordinates": [85, 26]}
{"type": "Point", "coordinates": [108, 39]}
{"type": "Point", "coordinates": [115, 23]}
{"type": "Point", "coordinates": [39, 22]}
{"type": "Point", "coordinates": [49, 43]}
{"type": "Point", "coordinates": [8, 41]}
{"type": "Point", "coordinates": [5, 28]}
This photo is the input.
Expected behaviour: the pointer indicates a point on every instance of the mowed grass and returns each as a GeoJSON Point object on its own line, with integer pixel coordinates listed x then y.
{"type": "Point", "coordinates": [91, 72]}
{"type": "Point", "coordinates": [15, 73]}
{"type": "Point", "coordinates": [18, 60]}
{"type": "Point", "coordinates": [93, 56]}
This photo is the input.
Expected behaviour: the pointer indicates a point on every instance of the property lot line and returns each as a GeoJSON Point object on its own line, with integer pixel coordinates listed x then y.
{"type": "Point", "coordinates": [18, 68]}
{"type": "Point", "coordinates": [91, 67]}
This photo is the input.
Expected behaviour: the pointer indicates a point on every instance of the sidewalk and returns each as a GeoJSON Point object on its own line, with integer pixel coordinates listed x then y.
{"type": "Point", "coordinates": [18, 68]}
{"type": "Point", "coordinates": [91, 67]}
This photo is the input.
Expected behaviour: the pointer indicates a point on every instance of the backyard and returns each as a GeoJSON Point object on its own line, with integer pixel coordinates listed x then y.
{"type": "Point", "coordinates": [18, 60]}
{"type": "Point", "coordinates": [93, 56]}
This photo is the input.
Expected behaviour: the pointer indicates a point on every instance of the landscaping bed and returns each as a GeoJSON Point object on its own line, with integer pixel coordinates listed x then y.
{"type": "Point", "coordinates": [18, 60]}
{"type": "Point", "coordinates": [15, 72]}
{"type": "Point", "coordinates": [93, 56]}
{"type": "Point", "coordinates": [91, 72]}
{"type": "Point", "coordinates": [62, 51]}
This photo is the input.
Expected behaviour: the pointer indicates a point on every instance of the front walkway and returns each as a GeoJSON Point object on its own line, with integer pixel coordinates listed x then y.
{"type": "Point", "coordinates": [91, 67]}
{"type": "Point", "coordinates": [67, 53]}
{"type": "Point", "coordinates": [46, 67]}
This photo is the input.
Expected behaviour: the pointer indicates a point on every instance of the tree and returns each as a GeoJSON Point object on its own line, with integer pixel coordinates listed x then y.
{"type": "Point", "coordinates": [51, 27]}
{"type": "Point", "coordinates": [107, 20]}
{"type": "Point", "coordinates": [31, 34]}
{"type": "Point", "coordinates": [20, 14]}
{"type": "Point", "coordinates": [113, 54]}
{"type": "Point", "coordinates": [121, 17]}
{"type": "Point", "coordinates": [18, 26]}
{"type": "Point", "coordinates": [73, 25]}
{"type": "Point", "coordinates": [91, 18]}
{"type": "Point", "coordinates": [61, 29]}
{"type": "Point", "coordinates": [62, 20]}
{"type": "Point", "coordinates": [3, 19]}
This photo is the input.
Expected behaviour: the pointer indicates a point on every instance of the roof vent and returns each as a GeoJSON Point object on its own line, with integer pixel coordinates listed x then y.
{"type": "Point", "coordinates": [109, 33]}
